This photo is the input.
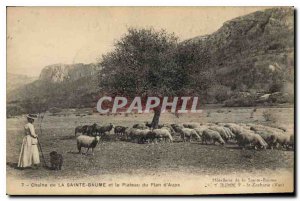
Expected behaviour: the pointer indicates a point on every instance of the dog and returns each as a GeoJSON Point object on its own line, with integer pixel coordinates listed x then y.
{"type": "Point", "coordinates": [56, 160]}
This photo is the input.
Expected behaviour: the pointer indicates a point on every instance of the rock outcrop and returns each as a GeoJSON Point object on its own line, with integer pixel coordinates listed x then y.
{"type": "Point", "coordinates": [63, 72]}
{"type": "Point", "coordinates": [253, 52]}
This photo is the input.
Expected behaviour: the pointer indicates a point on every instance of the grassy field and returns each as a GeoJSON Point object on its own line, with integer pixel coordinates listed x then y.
{"type": "Point", "coordinates": [118, 157]}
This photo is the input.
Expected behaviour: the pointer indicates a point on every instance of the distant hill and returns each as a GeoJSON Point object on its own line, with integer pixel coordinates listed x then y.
{"type": "Point", "coordinates": [59, 85]}
{"type": "Point", "coordinates": [251, 54]}
{"type": "Point", "coordinates": [15, 81]}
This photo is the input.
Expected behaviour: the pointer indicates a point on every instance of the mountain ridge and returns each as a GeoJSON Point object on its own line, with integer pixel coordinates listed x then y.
{"type": "Point", "coordinates": [253, 53]}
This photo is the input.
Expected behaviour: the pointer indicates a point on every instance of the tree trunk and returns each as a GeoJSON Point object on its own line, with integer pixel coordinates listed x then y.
{"type": "Point", "coordinates": [155, 120]}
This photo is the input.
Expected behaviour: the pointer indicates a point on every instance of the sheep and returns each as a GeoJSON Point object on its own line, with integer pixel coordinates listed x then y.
{"type": "Point", "coordinates": [258, 141]}
{"type": "Point", "coordinates": [143, 135]}
{"type": "Point", "coordinates": [88, 129]}
{"type": "Point", "coordinates": [189, 133]}
{"type": "Point", "coordinates": [120, 130]}
{"type": "Point", "coordinates": [249, 138]}
{"type": "Point", "coordinates": [177, 127]}
{"type": "Point", "coordinates": [266, 135]}
{"type": "Point", "coordinates": [273, 136]}
{"type": "Point", "coordinates": [257, 127]}
{"type": "Point", "coordinates": [102, 129]}
{"type": "Point", "coordinates": [235, 129]}
{"type": "Point", "coordinates": [134, 134]}
{"type": "Point", "coordinates": [140, 126]}
{"type": "Point", "coordinates": [162, 133]}
{"type": "Point", "coordinates": [222, 132]}
{"type": "Point", "coordinates": [140, 135]}
{"type": "Point", "coordinates": [210, 135]}
{"type": "Point", "coordinates": [169, 128]}
{"type": "Point", "coordinates": [191, 125]}
{"type": "Point", "coordinates": [151, 136]}
{"type": "Point", "coordinates": [280, 139]}
{"type": "Point", "coordinates": [128, 133]}
{"type": "Point", "coordinates": [200, 130]}
{"type": "Point", "coordinates": [91, 130]}
{"type": "Point", "coordinates": [87, 142]}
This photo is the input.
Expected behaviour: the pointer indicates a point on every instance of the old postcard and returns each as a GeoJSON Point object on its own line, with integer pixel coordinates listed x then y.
{"type": "Point", "coordinates": [150, 100]}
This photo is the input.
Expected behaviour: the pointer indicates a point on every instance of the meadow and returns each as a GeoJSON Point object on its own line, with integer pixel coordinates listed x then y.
{"type": "Point", "coordinates": [113, 157]}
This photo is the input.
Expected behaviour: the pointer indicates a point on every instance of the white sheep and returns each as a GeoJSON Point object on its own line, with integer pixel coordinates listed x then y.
{"type": "Point", "coordinates": [280, 139]}
{"type": "Point", "coordinates": [211, 135]}
{"type": "Point", "coordinates": [189, 133]}
{"type": "Point", "coordinates": [87, 142]}
{"type": "Point", "coordinates": [140, 135]}
{"type": "Point", "coordinates": [221, 130]}
{"type": "Point", "coordinates": [235, 129]}
{"type": "Point", "coordinates": [200, 130]}
{"type": "Point", "coordinates": [163, 133]}
{"type": "Point", "coordinates": [249, 138]}
{"type": "Point", "coordinates": [258, 127]}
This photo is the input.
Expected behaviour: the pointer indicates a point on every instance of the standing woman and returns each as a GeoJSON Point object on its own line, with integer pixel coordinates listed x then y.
{"type": "Point", "coordinates": [29, 151]}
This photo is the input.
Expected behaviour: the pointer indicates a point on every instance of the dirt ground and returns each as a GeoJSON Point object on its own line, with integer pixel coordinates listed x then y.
{"type": "Point", "coordinates": [120, 157]}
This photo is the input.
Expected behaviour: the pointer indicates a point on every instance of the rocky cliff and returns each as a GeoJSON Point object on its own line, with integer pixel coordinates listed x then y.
{"type": "Point", "coordinates": [63, 72]}
{"type": "Point", "coordinates": [253, 52]}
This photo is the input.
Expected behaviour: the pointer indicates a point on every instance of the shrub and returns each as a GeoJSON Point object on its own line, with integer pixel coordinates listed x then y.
{"type": "Point", "coordinates": [241, 101]}
{"type": "Point", "coordinates": [55, 110]}
{"type": "Point", "coordinates": [219, 92]}
{"type": "Point", "coordinates": [14, 110]}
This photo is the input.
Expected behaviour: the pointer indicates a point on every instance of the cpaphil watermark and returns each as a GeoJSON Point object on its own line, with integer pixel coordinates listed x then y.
{"type": "Point", "coordinates": [185, 104]}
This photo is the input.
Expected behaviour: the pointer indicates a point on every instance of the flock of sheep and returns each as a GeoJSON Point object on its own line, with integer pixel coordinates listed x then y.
{"type": "Point", "coordinates": [244, 135]}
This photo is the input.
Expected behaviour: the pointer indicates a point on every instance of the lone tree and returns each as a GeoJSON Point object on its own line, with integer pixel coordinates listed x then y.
{"type": "Point", "coordinates": [143, 64]}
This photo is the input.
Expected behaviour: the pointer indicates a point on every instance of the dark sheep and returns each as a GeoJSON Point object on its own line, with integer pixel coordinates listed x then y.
{"type": "Point", "coordinates": [88, 129]}
{"type": "Point", "coordinates": [79, 129]}
{"type": "Point", "coordinates": [120, 130]}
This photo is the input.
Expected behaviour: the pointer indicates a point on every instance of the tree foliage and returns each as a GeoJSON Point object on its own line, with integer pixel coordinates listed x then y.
{"type": "Point", "coordinates": [143, 64]}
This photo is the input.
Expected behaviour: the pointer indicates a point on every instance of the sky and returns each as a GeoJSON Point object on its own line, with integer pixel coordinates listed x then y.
{"type": "Point", "coordinates": [41, 36]}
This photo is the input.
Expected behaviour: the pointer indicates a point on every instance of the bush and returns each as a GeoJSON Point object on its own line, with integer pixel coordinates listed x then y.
{"type": "Point", "coordinates": [220, 93]}
{"type": "Point", "coordinates": [55, 110]}
{"type": "Point", "coordinates": [241, 100]}
{"type": "Point", "coordinates": [279, 97]}
{"type": "Point", "coordinates": [14, 110]}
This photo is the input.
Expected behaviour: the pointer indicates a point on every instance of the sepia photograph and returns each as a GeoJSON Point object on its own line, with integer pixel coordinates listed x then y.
{"type": "Point", "coordinates": [150, 100]}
